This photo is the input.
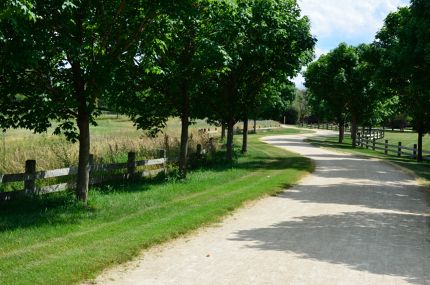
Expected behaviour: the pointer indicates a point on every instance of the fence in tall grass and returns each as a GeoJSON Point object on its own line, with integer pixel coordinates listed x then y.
{"type": "Point", "coordinates": [99, 173]}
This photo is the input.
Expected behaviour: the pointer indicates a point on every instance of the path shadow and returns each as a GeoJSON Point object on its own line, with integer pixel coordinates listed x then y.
{"type": "Point", "coordinates": [380, 243]}
{"type": "Point", "coordinates": [351, 180]}
{"type": "Point", "coordinates": [397, 198]}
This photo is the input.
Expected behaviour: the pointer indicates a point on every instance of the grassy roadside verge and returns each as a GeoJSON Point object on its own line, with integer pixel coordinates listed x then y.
{"type": "Point", "coordinates": [54, 241]}
{"type": "Point", "coordinates": [421, 170]}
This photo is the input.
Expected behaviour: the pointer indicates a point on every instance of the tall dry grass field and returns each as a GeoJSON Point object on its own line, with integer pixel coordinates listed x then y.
{"type": "Point", "coordinates": [111, 140]}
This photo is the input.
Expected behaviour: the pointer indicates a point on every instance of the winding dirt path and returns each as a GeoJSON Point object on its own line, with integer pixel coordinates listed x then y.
{"type": "Point", "coordinates": [353, 221]}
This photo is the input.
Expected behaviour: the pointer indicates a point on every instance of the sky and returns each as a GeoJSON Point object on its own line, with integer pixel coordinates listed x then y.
{"type": "Point", "coordinates": [350, 21]}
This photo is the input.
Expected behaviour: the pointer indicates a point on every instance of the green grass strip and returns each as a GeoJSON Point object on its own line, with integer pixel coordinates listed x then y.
{"type": "Point", "coordinates": [55, 241]}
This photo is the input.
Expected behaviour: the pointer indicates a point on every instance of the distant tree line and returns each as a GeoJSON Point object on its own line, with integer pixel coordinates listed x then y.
{"type": "Point", "coordinates": [386, 82]}
{"type": "Point", "coordinates": [66, 61]}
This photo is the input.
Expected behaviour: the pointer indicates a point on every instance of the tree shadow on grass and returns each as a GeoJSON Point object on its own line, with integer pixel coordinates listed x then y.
{"type": "Point", "coordinates": [391, 244]}
{"type": "Point", "coordinates": [61, 208]}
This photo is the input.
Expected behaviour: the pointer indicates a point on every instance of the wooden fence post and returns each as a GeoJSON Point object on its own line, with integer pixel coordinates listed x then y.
{"type": "Point", "coordinates": [166, 142]}
{"type": "Point", "coordinates": [131, 165]}
{"type": "Point", "coordinates": [199, 150]}
{"type": "Point", "coordinates": [163, 154]}
{"type": "Point", "coordinates": [367, 142]}
{"type": "Point", "coordinates": [386, 147]}
{"type": "Point", "coordinates": [399, 149]}
{"type": "Point", "coordinates": [30, 181]}
{"type": "Point", "coordinates": [415, 150]}
{"type": "Point", "coordinates": [373, 144]}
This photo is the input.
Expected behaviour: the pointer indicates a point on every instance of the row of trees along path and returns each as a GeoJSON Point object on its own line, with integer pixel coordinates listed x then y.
{"type": "Point", "coordinates": [224, 60]}
{"type": "Point", "coordinates": [369, 83]}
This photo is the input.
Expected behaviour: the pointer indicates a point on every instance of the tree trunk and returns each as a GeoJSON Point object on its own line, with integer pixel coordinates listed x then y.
{"type": "Point", "coordinates": [183, 154]}
{"type": "Point", "coordinates": [255, 126]}
{"type": "Point", "coordinates": [341, 132]}
{"type": "Point", "coordinates": [185, 118]}
{"type": "Point", "coordinates": [420, 144]}
{"type": "Point", "coordinates": [222, 130]}
{"type": "Point", "coordinates": [354, 129]}
{"type": "Point", "coordinates": [230, 135]}
{"type": "Point", "coordinates": [245, 136]}
{"type": "Point", "coordinates": [83, 176]}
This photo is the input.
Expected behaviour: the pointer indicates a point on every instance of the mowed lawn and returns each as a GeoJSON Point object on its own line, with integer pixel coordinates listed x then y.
{"type": "Point", "coordinates": [54, 241]}
{"type": "Point", "coordinates": [408, 139]}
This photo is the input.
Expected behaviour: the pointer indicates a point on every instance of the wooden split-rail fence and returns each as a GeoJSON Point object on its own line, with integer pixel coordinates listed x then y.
{"type": "Point", "coordinates": [239, 130]}
{"type": "Point", "coordinates": [369, 139]}
{"type": "Point", "coordinates": [99, 173]}
{"type": "Point", "coordinates": [399, 149]}
{"type": "Point", "coordinates": [369, 133]}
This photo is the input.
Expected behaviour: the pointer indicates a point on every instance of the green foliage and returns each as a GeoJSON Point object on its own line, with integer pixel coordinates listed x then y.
{"type": "Point", "coordinates": [341, 84]}
{"type": "Point", "coordinates": [188, 57]}
{"type": "Point", "coordinates": [256, 35]}
{"type": "Point", "coordinates": [62, 63]}
{"type": "Point", "coordinates": [60, 66]}
{"type": "Point", "coordinates": [326, 80]}
{"type": "Point", "coordinates": [404, 42]}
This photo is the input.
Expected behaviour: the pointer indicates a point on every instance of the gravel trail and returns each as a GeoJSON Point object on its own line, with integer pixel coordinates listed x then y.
{"type": "Point", "coordinates": [353, 221]}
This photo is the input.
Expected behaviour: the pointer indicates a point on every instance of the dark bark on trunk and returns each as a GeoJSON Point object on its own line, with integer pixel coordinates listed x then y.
{"type": "Point", "coordinates": [83, 119]}
{"type": "Point", "coordinates": [223, 130]}
{"type": "Point", "coordinates": [420, 144]}
{"type": "Point", "coordinates": [255, 126]}
{"type": "Point", "coordinates": [245, 136]}
{"type": "Point", "coordinates": [230, 135]}
{"type": "Point", "coordinates": [354, 129]}
{"type": "Point", "coordinates": [185, 118]}
{"type": "Point", "coordinates": [183, 155]}
{"type": "Point", "coordinates": [341, 132]}
{"type": "Point", "coordinates": [83, 176]}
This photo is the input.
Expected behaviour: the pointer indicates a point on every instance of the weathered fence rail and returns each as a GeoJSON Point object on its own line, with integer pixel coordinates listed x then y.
{"type": "Point", "coordinates": [399, 149]}
{"type": "Point", "coordinates": [99, 173]}
{"type": "Point", "coordinates": [369, 139]}
{"type": "Point", "coordinates": [369, 133]}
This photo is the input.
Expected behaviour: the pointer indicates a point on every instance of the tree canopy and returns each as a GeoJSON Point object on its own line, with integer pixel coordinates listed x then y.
{"type": "Point", "coordinates": [405, 61]}
{"type": "Point", "coordinates": [59, 66]}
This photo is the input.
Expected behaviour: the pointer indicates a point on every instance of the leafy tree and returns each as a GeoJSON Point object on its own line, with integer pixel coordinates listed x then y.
{"type": "Point", "coordinates": [263, 40]}
{"type": "Point", "coordinates": [174, 90]}
{"type": "Point", "coordinates": [321, 78]}
{"type": "Point", "coordinates": [405, 62]}
{"type": "Point", "coordinates": [342, 78]}
{"type": "Point", "coordinates": [302, 104]}
{"type": "Point", "coordinates": [10, 9]}
{"type": "Point", "coordinates": [59, 66]}
{"type": "Point", "coordinates": [276, 100]}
